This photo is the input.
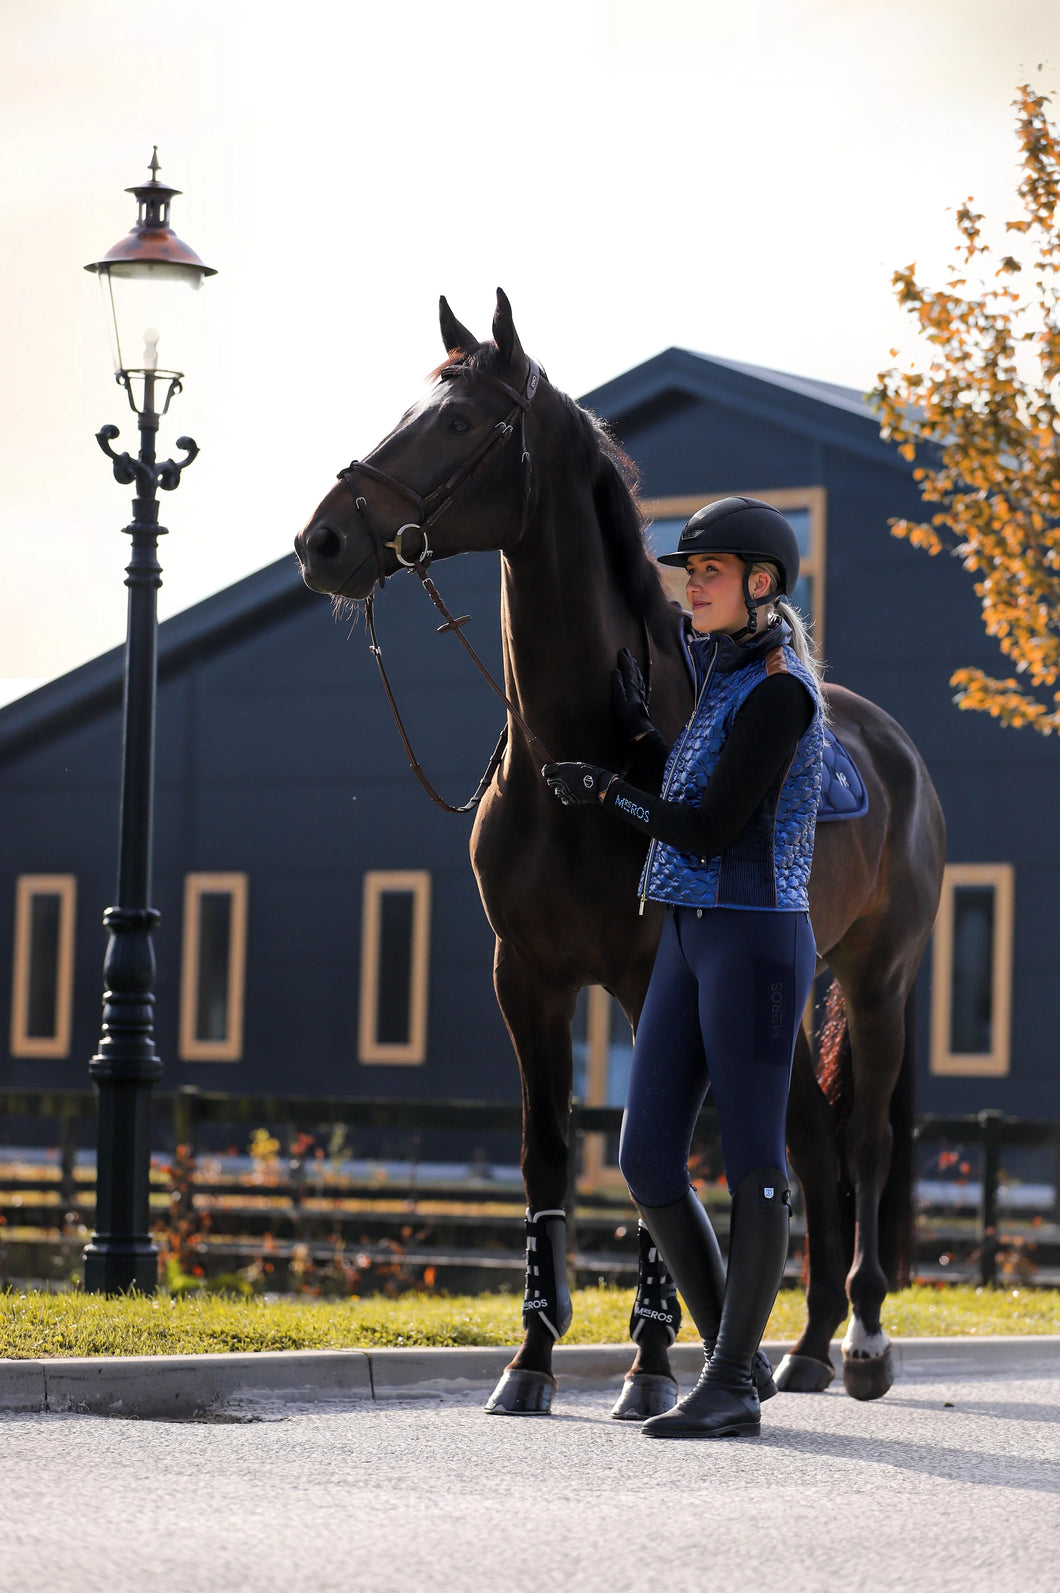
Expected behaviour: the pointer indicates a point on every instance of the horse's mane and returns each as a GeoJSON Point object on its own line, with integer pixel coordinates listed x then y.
{"type": "Point", "coordinates": [613, 477]}
{"type": "Point", "coordinates": [614, 480]}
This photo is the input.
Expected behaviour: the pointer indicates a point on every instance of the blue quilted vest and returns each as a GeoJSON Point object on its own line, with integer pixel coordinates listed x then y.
{"type": "Point", "coordinates": [768, 864]}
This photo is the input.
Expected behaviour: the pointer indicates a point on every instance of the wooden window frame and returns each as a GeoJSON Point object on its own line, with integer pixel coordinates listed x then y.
{"type": "Point", "coordinates": [192, 1049]}
{"type": "Point", "coordinates": [58, 1045]}
{"type": "Point", "coordinates": [596, 1171]}
{"type": "Point", "coordinates": [996, 1063]}
{"type": "Point", "coordinates": [370, 1049]}
{"type": "Point", "coordinates": [815, 499]}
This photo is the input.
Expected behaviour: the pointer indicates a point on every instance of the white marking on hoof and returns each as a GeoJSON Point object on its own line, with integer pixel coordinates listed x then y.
{"type": "Point", "coordinates": [861, 1345]}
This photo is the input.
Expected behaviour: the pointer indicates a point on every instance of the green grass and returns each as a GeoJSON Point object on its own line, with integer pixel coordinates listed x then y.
{"type": "Point", "coordinates": [45, 1324]}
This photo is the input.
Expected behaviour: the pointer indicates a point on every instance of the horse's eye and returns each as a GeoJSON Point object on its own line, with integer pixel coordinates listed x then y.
{"type": "Point", "coordinates": [459, 425]}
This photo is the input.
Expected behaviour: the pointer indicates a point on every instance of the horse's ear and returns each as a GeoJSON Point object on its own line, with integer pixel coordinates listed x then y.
{"type": "Point", "coordinates": [504, 334]}
{"type": "Point", "coordinates": [454, 335]}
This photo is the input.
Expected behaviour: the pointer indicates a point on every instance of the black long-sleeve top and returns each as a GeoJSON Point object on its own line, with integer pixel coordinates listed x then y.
{"type": "Point", "coordinates": [758, 749]}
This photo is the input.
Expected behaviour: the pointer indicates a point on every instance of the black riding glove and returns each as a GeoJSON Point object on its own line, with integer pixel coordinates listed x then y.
{"type": "Point", "coordinates": [575, 783]}
{"type": "Point", "coordinates": [630, 697]}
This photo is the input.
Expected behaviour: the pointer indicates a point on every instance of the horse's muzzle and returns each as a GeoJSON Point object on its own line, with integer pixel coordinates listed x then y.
{"type": "Point", "coordinates": [324, 555]}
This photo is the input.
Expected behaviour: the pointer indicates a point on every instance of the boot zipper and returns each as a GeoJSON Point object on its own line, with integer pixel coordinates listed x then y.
{"type": "Point", "coordinates": [673, 769]}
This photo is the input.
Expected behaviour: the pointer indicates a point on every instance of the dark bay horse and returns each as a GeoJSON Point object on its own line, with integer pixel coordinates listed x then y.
{"type": "Point", "coordinates": [494, 457]}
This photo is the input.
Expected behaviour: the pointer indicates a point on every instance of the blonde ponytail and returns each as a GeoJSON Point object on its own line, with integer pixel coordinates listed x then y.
{"type": "Point", "coordinates": [802, 643]}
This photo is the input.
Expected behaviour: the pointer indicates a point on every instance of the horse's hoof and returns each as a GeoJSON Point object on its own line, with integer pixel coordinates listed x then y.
{"type": "Point", "coordinates": [644, 1394]}
{"type": "Point", "coordinates": [803, 1374]}
{"type": "Point", "coordinates": [522, 1393]}
{"type": "Point", "coordinates": [868, 1376]}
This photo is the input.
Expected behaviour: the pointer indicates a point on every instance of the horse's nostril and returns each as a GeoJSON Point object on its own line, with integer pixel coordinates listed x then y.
{"type": "Point", "coordinates": [323, 541]}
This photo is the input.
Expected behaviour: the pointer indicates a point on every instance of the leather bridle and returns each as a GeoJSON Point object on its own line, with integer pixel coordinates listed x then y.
{"type": "Point", "coordinates": [432, 505]}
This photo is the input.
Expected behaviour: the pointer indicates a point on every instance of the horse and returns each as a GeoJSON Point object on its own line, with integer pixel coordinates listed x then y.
{"type": "Point", "coordinates": [559, 888]}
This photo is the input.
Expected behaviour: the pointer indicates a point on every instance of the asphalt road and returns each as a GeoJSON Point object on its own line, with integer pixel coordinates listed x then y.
{"type": "Point", "coordinates": [939, 1486]}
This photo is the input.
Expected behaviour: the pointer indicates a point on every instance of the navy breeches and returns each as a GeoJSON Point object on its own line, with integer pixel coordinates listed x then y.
{"type": "Point", "coordinates": [723, 1007]}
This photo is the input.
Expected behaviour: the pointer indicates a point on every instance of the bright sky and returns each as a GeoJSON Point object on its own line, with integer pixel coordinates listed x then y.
{"type": "Point", "coordinates": [739, 179]}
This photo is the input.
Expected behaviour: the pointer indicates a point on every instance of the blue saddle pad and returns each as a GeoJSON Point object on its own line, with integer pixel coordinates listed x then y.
{"type": "Point", "coordinates": [843, 794]}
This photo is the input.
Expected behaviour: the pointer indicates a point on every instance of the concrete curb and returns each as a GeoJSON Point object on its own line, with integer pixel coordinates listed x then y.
{"type": "Point", "coordinates": [185, 1387]}
{"type": "Point", "coordinates": [1006, 1355]}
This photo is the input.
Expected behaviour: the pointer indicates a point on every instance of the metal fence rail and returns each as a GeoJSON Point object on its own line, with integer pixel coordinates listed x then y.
{"type": "Point", "coordinates": [992, 1131]}
{"type": "Point", "coordinates": [186, 1111]}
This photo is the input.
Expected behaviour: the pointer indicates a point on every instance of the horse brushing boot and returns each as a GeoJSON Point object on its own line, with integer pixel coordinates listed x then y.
{"type": "Point", "coordinates": [725, 1401]}
{"type": "Point", "coordinates": [524, 1390]}
{"type": "Point", "coordinates": [689, 1246]}
{"type": "Point", "coordinates": [653, 1325]}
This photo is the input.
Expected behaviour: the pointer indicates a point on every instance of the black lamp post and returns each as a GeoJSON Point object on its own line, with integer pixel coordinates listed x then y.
{"type": "Point", "coordinates": [144, 279]}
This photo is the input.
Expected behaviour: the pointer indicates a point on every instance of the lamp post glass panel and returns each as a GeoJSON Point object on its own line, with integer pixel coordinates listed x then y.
{"type": "Point", "coordinates": [149, 281]}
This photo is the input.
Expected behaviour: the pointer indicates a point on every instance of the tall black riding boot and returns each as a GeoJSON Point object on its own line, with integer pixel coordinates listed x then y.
{"type": "Point", "coordinates": [725, 1403]}
{"type": "Point", "coordinates": [689, 1246]}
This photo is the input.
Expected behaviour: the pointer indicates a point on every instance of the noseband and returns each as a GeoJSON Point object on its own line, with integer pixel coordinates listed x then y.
{"type": "Point", "coordinates": [431, 506]}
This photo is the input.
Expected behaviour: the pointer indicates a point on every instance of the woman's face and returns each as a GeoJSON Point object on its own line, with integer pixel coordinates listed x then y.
{"type": "Point", "coordinates": [715, 591]}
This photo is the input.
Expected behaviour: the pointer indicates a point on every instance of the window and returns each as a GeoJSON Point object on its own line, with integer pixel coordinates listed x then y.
{"type": "Point", "coordinates": [43, 980]}
{"type": "Point", "coordinates": [603, 1053]}
{"type": "Point", "coordinates": [805, 507]}
{"type": "Point", "coordinates": [971, 999]}
{"type": "Point", "coordinates": [395, 954]}
{"type": "Point", "coordinates": [214, 967]}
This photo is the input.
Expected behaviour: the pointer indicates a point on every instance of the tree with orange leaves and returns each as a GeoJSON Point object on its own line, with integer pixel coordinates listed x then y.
{"type": "Point", "coordinates": [982, 423]}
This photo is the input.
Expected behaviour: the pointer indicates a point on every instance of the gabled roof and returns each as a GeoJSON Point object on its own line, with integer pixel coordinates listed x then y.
{"type": "Point", "coordinates": [824, 410]}
{"type": "Point", "coordinates": [847, 398]}
{"type": "Point", "coordinates": [224, 618]}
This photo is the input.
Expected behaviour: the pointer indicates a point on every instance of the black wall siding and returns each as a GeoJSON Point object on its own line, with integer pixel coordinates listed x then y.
{"type": "Point", "coordinates": [276, 756]}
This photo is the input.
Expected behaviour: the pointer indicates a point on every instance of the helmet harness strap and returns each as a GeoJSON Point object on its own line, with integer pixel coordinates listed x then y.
{"type": "Point", "coordinates": [753, 604]}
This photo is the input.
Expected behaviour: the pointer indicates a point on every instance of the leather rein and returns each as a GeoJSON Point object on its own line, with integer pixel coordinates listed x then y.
{"type": "Point", "coordinates": [430, 507]}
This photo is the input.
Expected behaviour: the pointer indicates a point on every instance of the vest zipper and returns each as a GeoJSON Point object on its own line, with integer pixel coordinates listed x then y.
{"type": "Point", "coordinates": [673, 770]}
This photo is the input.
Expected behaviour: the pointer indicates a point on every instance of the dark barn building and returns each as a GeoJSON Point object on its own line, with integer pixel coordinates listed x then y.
{"type": "Point", "coordinates": [321, 930]}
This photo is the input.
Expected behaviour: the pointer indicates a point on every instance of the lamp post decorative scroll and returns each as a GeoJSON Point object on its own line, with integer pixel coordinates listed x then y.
{"type": "Point", "coordinates": [144, 278]}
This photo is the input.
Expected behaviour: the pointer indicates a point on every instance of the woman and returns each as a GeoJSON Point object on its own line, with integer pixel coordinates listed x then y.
{"type": "Point", "coordinates": [730, 851]}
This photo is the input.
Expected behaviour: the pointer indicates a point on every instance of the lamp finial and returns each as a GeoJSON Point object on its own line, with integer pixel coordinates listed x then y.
{"type": "Point", "coordinates": [153, 164]}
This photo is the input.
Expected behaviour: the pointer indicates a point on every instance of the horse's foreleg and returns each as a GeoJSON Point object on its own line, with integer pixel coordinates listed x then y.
{"type": "Point", "coordinates": [538, 1016]}
{"type": "Point", "coordinates": [877, 1033]}
{"type": "Point", "coordinates": [807, 1368]}
{"type": "Point", "coordinates": [650, 1387]}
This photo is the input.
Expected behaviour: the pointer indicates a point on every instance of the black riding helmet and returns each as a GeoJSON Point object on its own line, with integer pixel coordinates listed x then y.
{"type": "Point", "coordinates": [753, 531]}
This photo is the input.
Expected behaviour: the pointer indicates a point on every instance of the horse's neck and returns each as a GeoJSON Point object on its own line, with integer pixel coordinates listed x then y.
{"type": "Point", "coordinates": [564, 616]}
